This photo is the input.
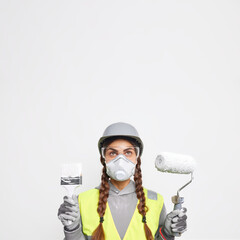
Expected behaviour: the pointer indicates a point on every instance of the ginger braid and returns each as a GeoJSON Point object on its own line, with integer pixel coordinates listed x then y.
{"type": "Point", "coordinates": [142, 208]}
{"type": "Point", "coordinates": [98, 233]}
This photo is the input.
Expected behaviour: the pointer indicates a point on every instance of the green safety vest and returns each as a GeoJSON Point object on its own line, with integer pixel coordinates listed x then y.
{"type": "Point", "coordinates": [88, 203]}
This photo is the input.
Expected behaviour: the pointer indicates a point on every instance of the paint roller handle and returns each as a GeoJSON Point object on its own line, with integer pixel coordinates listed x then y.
{"type": "Point", "coordinates": [178, 201]}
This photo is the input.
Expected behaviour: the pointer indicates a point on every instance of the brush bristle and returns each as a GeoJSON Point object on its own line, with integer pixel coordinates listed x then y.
{"type": "Point", "coordinates": [175, 163]}
{"type": "Point", "coordinates": [71, 174]}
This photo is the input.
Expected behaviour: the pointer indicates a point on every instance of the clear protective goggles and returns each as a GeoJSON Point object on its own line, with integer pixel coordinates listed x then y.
{"type": "Point", "coordinates": [131, 153]}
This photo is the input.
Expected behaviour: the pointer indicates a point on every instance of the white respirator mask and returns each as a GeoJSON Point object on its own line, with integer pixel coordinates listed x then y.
{"type": "Point", "coordinates": [120, 168]}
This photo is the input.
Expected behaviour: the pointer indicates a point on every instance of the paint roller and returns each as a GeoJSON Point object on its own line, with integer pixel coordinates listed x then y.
{"type": "Point", "coordinates": [178, 164]}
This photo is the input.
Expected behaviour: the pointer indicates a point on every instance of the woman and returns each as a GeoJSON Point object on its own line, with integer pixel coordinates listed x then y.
{"type": "Point", "coordinates": [120, 208]}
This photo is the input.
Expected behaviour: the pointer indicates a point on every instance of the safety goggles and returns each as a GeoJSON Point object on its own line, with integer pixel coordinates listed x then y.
{"type": "Point", "coordinates": [131, 153]}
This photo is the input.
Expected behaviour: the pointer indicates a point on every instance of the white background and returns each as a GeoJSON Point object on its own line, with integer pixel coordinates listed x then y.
{"type": "Point", "coordinates": [71, 68]}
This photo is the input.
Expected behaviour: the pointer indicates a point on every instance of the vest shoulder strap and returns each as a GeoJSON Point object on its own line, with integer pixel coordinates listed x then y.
{"type": "Point", "coordinates": [152, 195]}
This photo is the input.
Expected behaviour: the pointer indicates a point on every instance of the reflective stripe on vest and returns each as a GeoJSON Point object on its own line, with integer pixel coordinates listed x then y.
{"type": "Point", "coordinates": [88, 203]}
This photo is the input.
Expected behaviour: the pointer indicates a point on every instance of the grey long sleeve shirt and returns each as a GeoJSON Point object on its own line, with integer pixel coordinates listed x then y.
{"type": "Point", "coordinates": [122, 206]}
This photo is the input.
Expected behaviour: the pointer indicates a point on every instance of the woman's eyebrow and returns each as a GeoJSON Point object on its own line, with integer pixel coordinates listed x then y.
{"type": "Point", "coordinates": [128, 148]}
{"type": "Point", "coordinates": [112, 149]}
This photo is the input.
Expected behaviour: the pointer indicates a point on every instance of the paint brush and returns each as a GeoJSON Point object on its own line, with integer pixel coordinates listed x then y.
{"type": "Point", "coordinates": [71, 178]}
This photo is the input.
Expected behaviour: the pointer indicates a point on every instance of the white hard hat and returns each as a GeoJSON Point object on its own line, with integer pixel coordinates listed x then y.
{"type": "Point", "coordinates": [120, 129]}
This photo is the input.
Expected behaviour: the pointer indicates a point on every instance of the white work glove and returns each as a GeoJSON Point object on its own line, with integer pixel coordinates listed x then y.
{"type": "Point", "coordinates": [175, 223]}
{"type": "Point", "coordinates": [69, 210]}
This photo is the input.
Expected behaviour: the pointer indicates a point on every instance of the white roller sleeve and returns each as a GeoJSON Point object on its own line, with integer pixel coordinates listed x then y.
{"type": "Point", "coordinates": [175, 163]}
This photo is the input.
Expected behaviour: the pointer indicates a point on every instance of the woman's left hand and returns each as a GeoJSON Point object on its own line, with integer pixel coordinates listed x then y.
{"type": "Point", "coordinates": [175, 223]}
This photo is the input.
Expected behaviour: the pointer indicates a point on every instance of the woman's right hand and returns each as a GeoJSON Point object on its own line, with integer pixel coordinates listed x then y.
{"type": "Point", "coordinates": [68, 212]}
